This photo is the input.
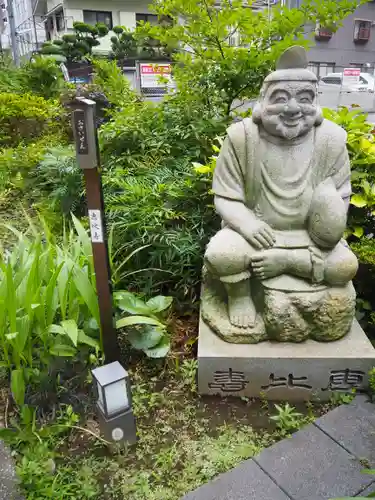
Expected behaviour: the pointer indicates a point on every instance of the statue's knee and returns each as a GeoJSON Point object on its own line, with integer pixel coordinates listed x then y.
{"type": "Point", "coordinates": [226, 258]}
{"type": "Point", "coordinates": [341, 267]}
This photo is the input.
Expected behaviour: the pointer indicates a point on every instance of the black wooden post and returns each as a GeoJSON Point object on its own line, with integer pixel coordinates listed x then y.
{"type": "Point", "coordinates": [86, 139]}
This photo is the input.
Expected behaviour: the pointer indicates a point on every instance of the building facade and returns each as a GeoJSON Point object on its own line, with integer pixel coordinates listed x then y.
{"type": "Point", "coordinates": [4, 29]}
{"type": "Point", "coordinates": [30, 31]}
{"type": "Point", "coordinates": [352, 45]}
{"type": "Point", "coordinates": [59, 16]}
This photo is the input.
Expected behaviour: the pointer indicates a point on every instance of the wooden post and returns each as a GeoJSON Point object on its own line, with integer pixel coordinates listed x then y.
{"type": "Point", "coordinates": [87, 149]}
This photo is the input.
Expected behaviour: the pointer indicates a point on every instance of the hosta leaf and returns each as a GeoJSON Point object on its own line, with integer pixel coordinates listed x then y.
{"type": "Point", "coordinates": [159, 303]}
{"type": "Point", "coordinates": [161, 350]}
{"type": "Point", "coordinates": [86, 339]}
{"type": "Point", "coordinates": [56, 329]}
{"type": "Point", "coordinates": [23, 328]}
{"type": "Point", "coordinates": [358, 231]}
{"type": "Point", "coordinates": [71, 330]}
{"type": "Point", "coordinates": [137, 320]}
{"type": "Point", "coordinates": [87, 291]}
{"type": "Point", "coordinates": [131, 303]}
{"type": "Point", "coordinates": [358, 201]}
{"type": "Point", "coordinates": [17, 385]}
{"type": "Point", "coordinates": [63, 350]}
{"type": "Point", "coordinates": [145, 338]}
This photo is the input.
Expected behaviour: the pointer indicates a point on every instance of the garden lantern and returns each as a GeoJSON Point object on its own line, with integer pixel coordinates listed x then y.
{"type": "Point", "coordinates": [114, 404]}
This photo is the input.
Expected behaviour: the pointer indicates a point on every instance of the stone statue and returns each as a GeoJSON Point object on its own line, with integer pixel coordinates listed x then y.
{"type": "Point", "coordinates": [279, 268]}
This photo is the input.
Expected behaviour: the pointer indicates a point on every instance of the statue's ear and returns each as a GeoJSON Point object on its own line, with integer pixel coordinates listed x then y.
{"type": "Point", "coordinates": [319, 116]}
{"type": "Point", "coordinates": [257, 113]}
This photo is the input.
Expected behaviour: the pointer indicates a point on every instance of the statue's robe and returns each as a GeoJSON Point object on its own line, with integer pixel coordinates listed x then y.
{"type": "Point", "coordinates": [276, 178]}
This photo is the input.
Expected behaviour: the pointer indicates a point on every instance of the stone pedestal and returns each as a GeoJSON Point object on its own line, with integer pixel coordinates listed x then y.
{"type": "Point", "coordinates": [284, 371]}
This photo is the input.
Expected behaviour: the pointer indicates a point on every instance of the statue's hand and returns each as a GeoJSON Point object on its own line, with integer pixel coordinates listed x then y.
{"type": "Point", "coordinates": [260, 235]}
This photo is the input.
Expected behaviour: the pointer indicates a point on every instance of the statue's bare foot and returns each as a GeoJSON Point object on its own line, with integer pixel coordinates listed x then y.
{"type": "Point", "coordinates": [241, 308]}
{"type": "Point", "coordinates": [242, 311]}
{"type": "Point", "coordinates": [270, 263]}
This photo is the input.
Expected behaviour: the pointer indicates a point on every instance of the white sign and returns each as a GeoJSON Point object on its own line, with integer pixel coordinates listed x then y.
{"type": "Point", "coordinates": [351, 76]}
{"type": "Point", "coordinates": [151, 73]}
{"type": "Point", "coordinates": [96, 226]}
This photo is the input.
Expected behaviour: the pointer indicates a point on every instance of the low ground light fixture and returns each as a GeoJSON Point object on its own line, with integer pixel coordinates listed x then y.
{"type": "Point", "coordinates": [114, 403]}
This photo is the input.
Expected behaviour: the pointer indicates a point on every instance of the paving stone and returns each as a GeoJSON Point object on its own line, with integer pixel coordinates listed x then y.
{"type": "Point", "coordinates": [245, 482]}
{"type": "Point", "coordinates": [8, 480]}
{"type": "Point", "coordinates": [353, 427]}
{"type": "Point", "coordinates": [311, 466]}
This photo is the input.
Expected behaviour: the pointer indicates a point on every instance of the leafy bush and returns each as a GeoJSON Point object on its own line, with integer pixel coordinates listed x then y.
{"type": "Point", "coordinates": [174, 129]}
{"type": "Point", "coordinates": [361, 147]}
{"type": "Point", "coordinates": [115, 86]}
{"type": "Point", "coordinates": [145, 322]}
{"type": "Point", "coordinates": [153, 196]}
{"type": "Point", "coordinates": [170, 210]}
{"type": "Point", "coordinates": [60, 178]}
{"type": "Point", "coordinates": [43, 77]}
{"type": "Point", "coordinates": [26, 117]}
{"type": "Point", "coordinates": [12, 79]}
{"type": "Point", "coordinates": [48, 304]}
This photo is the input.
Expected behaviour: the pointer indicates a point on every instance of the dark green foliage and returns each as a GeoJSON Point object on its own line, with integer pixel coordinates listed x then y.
{"type": "Point", "coordinates": [124, 45]}
{"type": "Point", "coordinates": [25, 117]}
{"type": "Point", "coordinates": [361, 147]}
{"type": "Point", "coordinates": [153, 195]}
{"type": "Point", "coordinates": [60, 179]}
{"type": "Point", "coordinates": [168, 208]}
{"type": "Point", "coordinates": [44, 77]}
{"type": "Point", "coordinates": [127, 44]}
{"type": "Point", "coordinates": [77, 46]}
{"type": "Point", "coordinates": [11, 78]}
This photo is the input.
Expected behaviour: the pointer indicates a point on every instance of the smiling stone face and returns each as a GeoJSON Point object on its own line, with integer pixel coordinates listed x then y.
{"type": "Point", "coordinates": [289, 109]}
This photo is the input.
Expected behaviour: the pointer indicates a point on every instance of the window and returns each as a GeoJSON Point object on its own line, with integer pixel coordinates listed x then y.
{"type": "Point", "coordinates": [98, 16]}
{"type": "Point", "coordinates": [362, 30]}
{"type": "Point", "coordinates": [60, 25]}
{"type": "Point", "coordinates": [147, 18]}
{"type": "Point", "coordinates": [322, 69]}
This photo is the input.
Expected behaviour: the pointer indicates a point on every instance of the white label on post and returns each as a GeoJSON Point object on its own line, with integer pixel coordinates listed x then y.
{"type": "Point", "coordinates": [96, 226]}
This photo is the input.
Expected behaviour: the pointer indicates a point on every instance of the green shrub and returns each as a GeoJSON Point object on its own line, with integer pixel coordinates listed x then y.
{"type": "Point", "coordinates": [12, 79]}
{"type": "Point", "coordinates": [361, 147]}
{"type": "Point", "coordinates": [114, 85]}
{"type": "Point", "coordinates": [18, 164]}
{"type": "Point", "coordinates": [26, 117]}
{"type": "Point", "coordinates": [43, 77]}
{"type": "Point", "coordinates": [153, 196]}
{"type": "Point", "coordinates": [48, 304]}
{"type": "Point", "coordinates": [174, 129]}
{"type": "Point", "coordinates": [170, 210]}
{"type": "Point", "coordinates": [59, 178]}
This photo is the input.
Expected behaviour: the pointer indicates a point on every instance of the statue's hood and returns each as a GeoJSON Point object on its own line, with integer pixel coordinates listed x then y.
{"type": "Point", "coordinates": [292, 66]}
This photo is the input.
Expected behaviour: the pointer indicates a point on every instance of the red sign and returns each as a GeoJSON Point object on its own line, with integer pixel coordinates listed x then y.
{"type": "Point", "coordinates": [155, 69]}
{"type": "Point", "coordinates": [351, 76]}
{"type": "Point", "coordinates": [151, 75]}
{"type": "Point", "coordinates": [352, 72]}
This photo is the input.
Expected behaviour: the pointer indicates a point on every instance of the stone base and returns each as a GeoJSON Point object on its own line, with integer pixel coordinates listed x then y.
{"type": "Point", "coordinates": [284, 371]}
